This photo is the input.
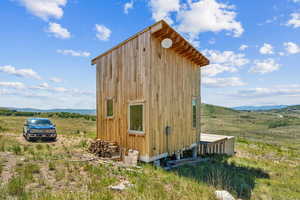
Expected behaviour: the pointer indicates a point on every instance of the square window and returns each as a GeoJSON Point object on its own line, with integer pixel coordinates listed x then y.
{"type": "Point", "coordinates": [136, 113]}
{"type": "Point", "coordinates": [109, 108]}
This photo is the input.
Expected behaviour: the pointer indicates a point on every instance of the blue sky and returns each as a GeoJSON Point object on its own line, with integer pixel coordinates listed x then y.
{"type": "Point", "coordinates": [46, 47]}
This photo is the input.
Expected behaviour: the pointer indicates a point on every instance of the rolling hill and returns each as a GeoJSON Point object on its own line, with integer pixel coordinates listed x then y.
{"type": "Point", "coordinates": [78, 111]}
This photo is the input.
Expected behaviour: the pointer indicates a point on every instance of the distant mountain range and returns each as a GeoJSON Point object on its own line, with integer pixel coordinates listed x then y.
{"type": "Point", "coordinates": [79, 111]}
{"type": "Point", "coordinates": [93, 111]}
{"type": "Point", "coordinates": [256, 108]}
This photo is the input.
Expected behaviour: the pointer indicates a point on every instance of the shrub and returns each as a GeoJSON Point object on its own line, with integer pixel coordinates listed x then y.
{"type": "Point", "coordinates": [51, 166]}
{"type": "Point", "coordinates": [32, 169]}
{"type": "Point", "coordinates": [275, 124]}
{"type": "Point", "coordinates": [16, 148]}
{"type": "Point", "coordinates": [2, 129]}
{"type": "Point", "coordinates": [83, 143]}
{"type": "Point", "coordinates": [16, 186]}
{"type": "Point", "coordinates": [39, 147]}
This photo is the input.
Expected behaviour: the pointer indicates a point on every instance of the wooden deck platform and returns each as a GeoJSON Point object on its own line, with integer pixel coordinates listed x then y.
{"type": "Point", "coordinates": [209, 138]}
{"type": "Point", "coordinates": [216, 144]}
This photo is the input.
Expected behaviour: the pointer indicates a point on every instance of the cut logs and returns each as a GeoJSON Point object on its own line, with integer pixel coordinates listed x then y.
{"type": "Point", "coordinates": [105, 149]}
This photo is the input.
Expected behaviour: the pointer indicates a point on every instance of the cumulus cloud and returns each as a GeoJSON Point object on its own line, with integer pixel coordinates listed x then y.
{"type": "Point", "coordinates": [291, 48]}
{"type": "Point", "coordinates": [208, 15]}
{"type": "Point", "coordinates": [56, 80]}
{"type": "Point", "coordinates": [222, 82]}
{"type": "Point", "coordinates": [128, 6]}
{"type": "Point", "coordinates": [71, 52]}
{"type": "Point", "coordinates": [266, 49]}
{"type": "Point", "coordinates": [162, 9]}
{"type": "Point", "coordinates": [294, 21]}
{"type": "Point", "coordinates": [103, 33]}
{"type": "Point", "coordinates": [58, 31]}
{"type": "Point", "coordinates": [15, 85]}
{"type": "Point", "coordinates": [223, 61]}
{"type": "Point", "coordinates": [265, 66]}
{"type": "Point", "coordinates": [45, 9]}
{"type": "Point", "coordinates": [28, 73]}
{"type": "Point", "coordinates": [243, 47]}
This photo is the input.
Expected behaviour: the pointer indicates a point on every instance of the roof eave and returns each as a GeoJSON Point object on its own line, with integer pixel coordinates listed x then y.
{"type": "Point", "coordinates": [162, 30]}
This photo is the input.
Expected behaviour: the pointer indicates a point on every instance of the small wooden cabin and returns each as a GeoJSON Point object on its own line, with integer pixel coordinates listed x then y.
{"type": "Point", "coordinates": [148, 93]}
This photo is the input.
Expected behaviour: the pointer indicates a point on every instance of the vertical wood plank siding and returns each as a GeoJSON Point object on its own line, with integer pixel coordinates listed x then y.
{"type": "Point", "coordinates": [174, 81]}
{"type": "Point", "coordinates": [123, 75]}
{"type": "Point", "coordinates": [142, 71]}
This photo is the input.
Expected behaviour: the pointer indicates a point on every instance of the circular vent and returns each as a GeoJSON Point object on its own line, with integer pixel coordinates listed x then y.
{"type": "Point", "coordinates": [166, 43]}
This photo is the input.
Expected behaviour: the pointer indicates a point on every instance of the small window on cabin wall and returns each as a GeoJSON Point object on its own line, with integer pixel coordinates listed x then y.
{"type": "Point", "coordinates": [194, 110]}
{"type": "Point", "coordinates": [109, 108]}
{"type": "Point", "coordinates": [136, 115]}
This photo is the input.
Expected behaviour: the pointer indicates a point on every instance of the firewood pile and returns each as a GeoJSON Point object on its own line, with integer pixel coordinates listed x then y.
{"type": "Point", "coordinates": [105, 149]}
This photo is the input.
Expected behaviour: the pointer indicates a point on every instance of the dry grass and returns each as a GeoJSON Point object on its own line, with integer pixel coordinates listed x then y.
{"type": "Point", "coordinates": [58, 170]}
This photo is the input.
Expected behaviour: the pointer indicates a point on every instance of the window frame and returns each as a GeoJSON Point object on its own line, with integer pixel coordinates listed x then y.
{"type": "Point", "coordinates": [106, 107]}
{"type": "Point", "coordinates": [143, 117]}
{"type": "Point", "coordinates": [194, 99]}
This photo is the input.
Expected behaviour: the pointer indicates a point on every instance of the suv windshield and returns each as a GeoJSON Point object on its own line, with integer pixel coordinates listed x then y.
{"type": "Point", "coordinates": [40, 122]}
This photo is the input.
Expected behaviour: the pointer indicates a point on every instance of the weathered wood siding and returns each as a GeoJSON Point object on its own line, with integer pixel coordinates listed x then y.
{"type": "Point", "coordinates": [174, 82]}
{"type": "Point", "coordinates": [123, 75]}
{"type": "Point", "coordinates": [142, 71]}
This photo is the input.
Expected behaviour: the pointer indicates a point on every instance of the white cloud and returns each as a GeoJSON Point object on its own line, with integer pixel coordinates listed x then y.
{"type": "Point", "coordinates": [222, 82]}
{"type": "Point", "coordinates": [28, 73]}
{"type": "Point", "coordinates": [103, 33]}
{"type": "Point", "coordinates": [44, 96]}
{"type": "Point", "coordinates": [208, 15]}
{"type": "Point", "coordinates": [45, 9]}
{"type": "Point", "coordinates": [215, 69]}
{"type": "Point", "coordinates": [291, 48]}
{"type": "Point", "coordinates": [56, 80]}
{"type": "Point", "coordinates": [281, 53]}
{"type": "Point", "coordinates": [267, 92]}
{"type": "Point", "coordinates": [243, 47]}
{"type": "Point", "coordinates": [162, 9]}
{"type": "Point", "coordinates": [265, 66]}
{"type": "Point", "coordinates": [42, 86]}
{"type": "Point", "coordinates": [15, 85]}
{"type": "Point", "coordinates": [294, 21]}
{"type": "Point", "coordinates": [266, 49]}
{"type": "Point", "coordinates": [127, 6]}
{"type": "Point", "coordinates": [60, 89]}
{"type": "Point", "coordinates": [74, 53]}
{"type": "Point", "coordinates": [58, 31]}
{"type": "Point", "coordinates": [46, 87]}
{"type": "Point", "coordinates": [223, 61]}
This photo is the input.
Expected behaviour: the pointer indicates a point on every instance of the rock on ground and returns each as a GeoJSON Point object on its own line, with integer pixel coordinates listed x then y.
{"type": "Point", "coordinates": [223, 195]}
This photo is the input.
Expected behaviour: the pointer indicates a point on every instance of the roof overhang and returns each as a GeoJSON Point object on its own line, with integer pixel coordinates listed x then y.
{"type": "Point", "coordinates": [162, 30]}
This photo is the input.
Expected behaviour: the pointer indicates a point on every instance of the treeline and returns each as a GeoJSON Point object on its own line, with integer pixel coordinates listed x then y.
{"type": "Point", "coordinates": [7, 112]}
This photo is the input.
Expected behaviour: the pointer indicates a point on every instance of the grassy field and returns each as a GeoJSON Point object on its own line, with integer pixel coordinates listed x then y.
{"type": "Point", "coordinates": [266, 166]}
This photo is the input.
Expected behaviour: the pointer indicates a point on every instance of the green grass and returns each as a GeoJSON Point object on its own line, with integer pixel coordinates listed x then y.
{"type": "Point", "coordinates": [16, 187]}
{"type": "Point", "coordinates": [231, 176]}
{"type": "Point", "coordinates": [266, 165]}
{"type": "Point", "coordinates": [65, 126]}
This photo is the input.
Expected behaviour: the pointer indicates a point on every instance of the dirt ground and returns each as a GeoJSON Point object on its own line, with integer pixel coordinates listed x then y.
{"type": "Point", "coordinates": [63, 165]}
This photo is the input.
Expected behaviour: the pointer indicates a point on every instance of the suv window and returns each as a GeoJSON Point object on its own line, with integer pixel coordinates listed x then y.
{"type": "Point", "coordinates": [40, 122]}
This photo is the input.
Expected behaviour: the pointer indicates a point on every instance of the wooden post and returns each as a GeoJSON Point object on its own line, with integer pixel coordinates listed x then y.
{"type": "Point", "coordinates": [195, 152]}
